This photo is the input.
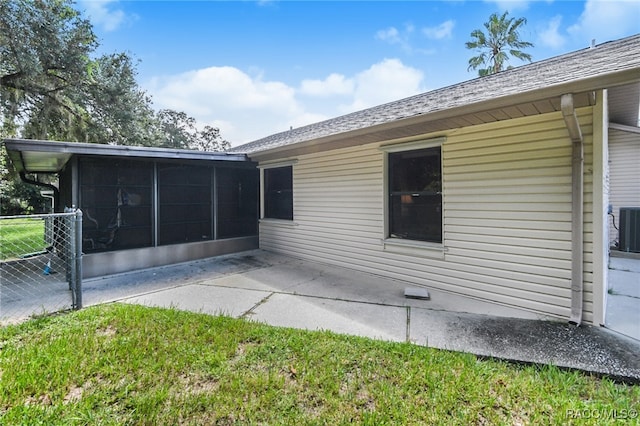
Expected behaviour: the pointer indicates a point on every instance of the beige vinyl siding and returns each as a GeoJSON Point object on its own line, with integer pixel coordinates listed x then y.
{"type": "Point", "coordinates": [506, 209]}
{"type": "Point", "coordinates": [624, 174]}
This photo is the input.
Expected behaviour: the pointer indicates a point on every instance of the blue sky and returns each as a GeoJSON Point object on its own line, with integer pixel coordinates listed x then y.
{"type": "Point", "coordinates": [253, 68]}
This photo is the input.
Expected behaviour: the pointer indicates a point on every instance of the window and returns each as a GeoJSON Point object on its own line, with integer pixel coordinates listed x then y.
{"type": "Point", "coordinates": [415, 192]}
{"type": "Point", "coordinates": [278, 193]}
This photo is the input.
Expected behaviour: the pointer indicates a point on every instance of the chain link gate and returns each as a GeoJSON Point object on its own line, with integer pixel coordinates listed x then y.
{"type": "Point", "coordinates": [40, 264]}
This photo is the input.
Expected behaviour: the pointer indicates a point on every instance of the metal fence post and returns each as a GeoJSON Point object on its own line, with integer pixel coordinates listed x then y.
{"type": "Point", "coordinates": [66, 248]}
{"type": "Point", "coordinates": [70, 256]}
{"type": "Point", "coordinates": [78, 259]}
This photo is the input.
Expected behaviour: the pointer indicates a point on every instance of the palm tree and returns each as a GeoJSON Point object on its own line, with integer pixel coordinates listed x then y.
{"type": "Point", "coordinates": [502, 36]}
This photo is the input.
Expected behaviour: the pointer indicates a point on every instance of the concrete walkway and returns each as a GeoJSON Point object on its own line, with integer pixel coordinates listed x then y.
{"type": "Point", "coordinates": [623, 298]}
{"type": "Point", "coordinates": [287, 292]}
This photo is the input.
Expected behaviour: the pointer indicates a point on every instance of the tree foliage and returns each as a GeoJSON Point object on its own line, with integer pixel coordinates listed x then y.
{"type": "Point", "coordinates": [180, 131]}
{"type": "Point", "coordinates": [209, 139]}
{"type": "Point", "coordinates": [120, 112]}
{"type": "Point", "coordinates": [501, 41]}
{"type": "Point", "coordinates": [178, 128]}
{"type": "Point", "coordinates": [54, 87]}
{"type": "Point", "coordinates": [44, 57]}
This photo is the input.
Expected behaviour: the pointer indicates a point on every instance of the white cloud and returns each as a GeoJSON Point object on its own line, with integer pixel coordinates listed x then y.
{"type": "Point", "coordinates": [397, 37]}
{"type": "Point", "coordinates": [391, 35]}
{"type": "Point", "coordinates": [385, 81]}
{"type": "Point", "coordinates": [103, 15]}
{"type": "Point", "coordinates": [242, 106]}
{"type": "Point", "coordinates": [441, 31]}
{"type": "Point", "coordinates": [606, 20]}
{"type": "Point", "coordinates": [550, 35]}
{"type": "Point", "coordinates": [246, 107]}
{"type": "Point", "coordinates": [334, 84]}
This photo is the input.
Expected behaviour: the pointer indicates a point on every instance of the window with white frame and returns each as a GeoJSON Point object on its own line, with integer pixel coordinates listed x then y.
{"type": "Point", "coordinates": [415, 193]}
{"type": "Point", "coordinates": [278, 193]}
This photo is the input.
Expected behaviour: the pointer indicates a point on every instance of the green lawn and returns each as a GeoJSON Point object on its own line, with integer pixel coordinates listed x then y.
{"type": "Point", "coordinates": [20, 236]}
{"type": "Point", "coordinates": [123, 364]}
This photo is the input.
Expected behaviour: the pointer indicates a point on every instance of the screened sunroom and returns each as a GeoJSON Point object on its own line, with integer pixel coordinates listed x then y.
{"type": "Point", "coordinates": [146, 207]}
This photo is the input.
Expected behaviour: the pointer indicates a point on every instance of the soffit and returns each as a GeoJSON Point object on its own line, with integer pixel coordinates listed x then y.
{"type": "Point", "coordinates": [421, 125]}
{"type": "Point", "coordinates": [38, 162]}
{"type": "Point", "coordinates": [624, 104]}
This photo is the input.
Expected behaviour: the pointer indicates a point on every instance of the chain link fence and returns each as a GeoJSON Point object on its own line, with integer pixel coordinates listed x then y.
{"type": "Point", "coordinates": [40, 264]}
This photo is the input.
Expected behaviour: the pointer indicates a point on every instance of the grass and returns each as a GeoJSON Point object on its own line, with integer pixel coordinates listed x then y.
{"type": "Point", "coordinates": [124, 364]}
{"type": "Point", "coordinates": [20, 236]}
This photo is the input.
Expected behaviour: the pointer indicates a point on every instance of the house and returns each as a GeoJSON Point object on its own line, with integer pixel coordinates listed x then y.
{"type": "Point", "coordinates": [494, 188]}
{"type": "Point", "coordinates": [145, 207]}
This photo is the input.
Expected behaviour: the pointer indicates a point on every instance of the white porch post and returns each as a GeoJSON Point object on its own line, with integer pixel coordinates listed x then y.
{"type": "Point", "coordinates": [600, 206]}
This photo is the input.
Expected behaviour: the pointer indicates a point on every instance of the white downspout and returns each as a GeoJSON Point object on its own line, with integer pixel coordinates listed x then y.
{"type": "Point", "coordinates": [577, 209]}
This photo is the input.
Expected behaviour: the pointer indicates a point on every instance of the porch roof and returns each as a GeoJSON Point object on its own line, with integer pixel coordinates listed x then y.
{"type": "Point", "coordinates": [38, 156]}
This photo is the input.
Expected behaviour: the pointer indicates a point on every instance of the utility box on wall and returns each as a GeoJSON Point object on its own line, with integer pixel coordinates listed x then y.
{"type": "Point", "coordinates": [630, 229]}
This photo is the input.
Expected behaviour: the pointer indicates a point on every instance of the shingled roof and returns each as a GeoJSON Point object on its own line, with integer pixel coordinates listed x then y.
{"type": "Point", "coordinates": [587, 69]}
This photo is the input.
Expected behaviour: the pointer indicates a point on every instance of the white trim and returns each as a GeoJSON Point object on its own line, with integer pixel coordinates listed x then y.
{"type": "Point", "coordinates": [385, 197]}
{"type": "Point", "coordinates": [402, 147]}
{"type": "Point", "coordinates": [414, 248]}
{"type": "Point", "coordinates": [278, 222]}
{"type": "Point", "coordinates": [408, 146]}
{"type": "Point", "coordinates": [600, 253]}
{"type": "Point", "coordinates": [274, 165]}
{"type": "Point", "coordinates": [624, 128]}
{"type": "Point", "coordinates": [278, 164]}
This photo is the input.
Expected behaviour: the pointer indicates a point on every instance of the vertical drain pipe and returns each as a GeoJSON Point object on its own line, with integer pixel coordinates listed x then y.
{"type": "Point", "coordinates": [577, 209]}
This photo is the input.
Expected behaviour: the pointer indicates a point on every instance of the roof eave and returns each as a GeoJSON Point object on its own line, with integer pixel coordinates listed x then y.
{"type": "Point", "coordinates": [60, 152]}
{"type": "Point", "coordinates": [585, 85]}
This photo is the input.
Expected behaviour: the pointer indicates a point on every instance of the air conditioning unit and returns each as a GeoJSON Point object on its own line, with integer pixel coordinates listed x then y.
{"type": "Point", "coordinates": [630, 229]}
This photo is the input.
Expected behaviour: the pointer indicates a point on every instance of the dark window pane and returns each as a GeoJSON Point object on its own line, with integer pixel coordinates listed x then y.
{"type": "Point", "coordinates": [415, 171]}
{"type": "Point", "coordinates": [278, 193]}
{"type": "Point", "coordinates": [416, 217]}
{"type": "Point", "coordinates": [415, 185]}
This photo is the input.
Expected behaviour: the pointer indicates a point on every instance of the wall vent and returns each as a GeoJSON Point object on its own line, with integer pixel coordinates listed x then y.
{"type": "Point", "coordinates": [630, 229]}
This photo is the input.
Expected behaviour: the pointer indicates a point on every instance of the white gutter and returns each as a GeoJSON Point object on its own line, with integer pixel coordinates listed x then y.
{"type": "Point", "coordinates": [577, 209]}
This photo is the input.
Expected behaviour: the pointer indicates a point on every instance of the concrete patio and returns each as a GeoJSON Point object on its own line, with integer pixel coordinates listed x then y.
{"type": "Point", "coordinates": [288, 292]}
{"type": "Point", "coordinates": [623, 298]}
